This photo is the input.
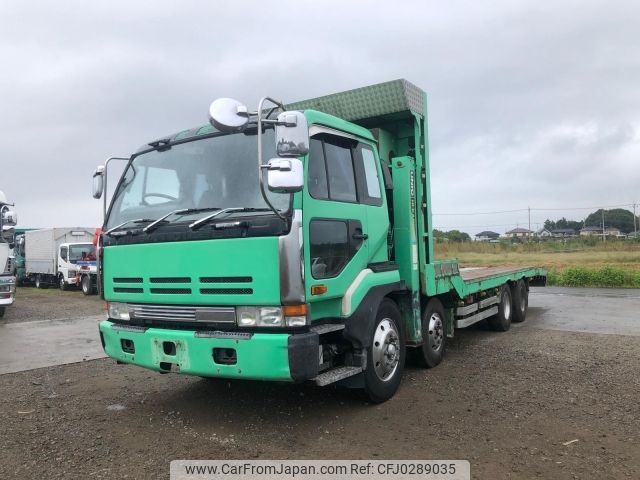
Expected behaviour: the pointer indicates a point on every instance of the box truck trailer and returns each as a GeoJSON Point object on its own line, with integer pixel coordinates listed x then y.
{"type": "Point", "coordinates": [54, 256]}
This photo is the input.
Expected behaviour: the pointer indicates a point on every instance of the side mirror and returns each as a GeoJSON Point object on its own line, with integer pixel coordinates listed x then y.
{"type": "Point", "coordinates": [292, 135]}
{"type": "Point", "coordinates": [98, 181]}
{"type": "Point", "coordinates": [9, 236]}
{"type": "Point", "coordinates": [284, 175]}
{"type": "Point", "coordinates": [9, 217]}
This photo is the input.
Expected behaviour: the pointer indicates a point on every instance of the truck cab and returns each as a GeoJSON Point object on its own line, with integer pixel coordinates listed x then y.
{"type": "Point", "coordinates": [71, 261]}
{"type": "Point", "coordinates": [8, 220]}
{"type": "Point", "coordinates": [289, 243]}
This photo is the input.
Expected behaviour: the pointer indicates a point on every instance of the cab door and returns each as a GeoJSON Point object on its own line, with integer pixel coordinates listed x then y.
{"type": "Point", "coordinates": [335, 223]}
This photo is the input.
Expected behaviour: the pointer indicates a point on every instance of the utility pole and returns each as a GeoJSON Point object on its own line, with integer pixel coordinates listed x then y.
{"type": "Point", "coordinates": [529, 234]}
{"type": "Point", "coordinates": [635, 229]}
{"type": "Point", "coordinates": [604, 238]}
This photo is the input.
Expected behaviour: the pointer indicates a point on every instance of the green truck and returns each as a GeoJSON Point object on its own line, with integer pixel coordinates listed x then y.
{"type": "Point", "coordinates": [291, 243]}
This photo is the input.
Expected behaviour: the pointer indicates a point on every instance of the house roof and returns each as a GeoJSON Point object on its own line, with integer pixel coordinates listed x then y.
{"type": "Point", "coordinates": [487, 233]}
{"type": "Point", "coordinates": [591, 229]}
{"type": "Point", "coordinates": [519, 230]}
{"type": "Point", "coordinates": [563, 230]}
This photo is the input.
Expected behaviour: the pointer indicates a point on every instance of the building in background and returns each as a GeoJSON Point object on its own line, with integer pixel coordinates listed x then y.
{"type": "Point", "coordinates": [487, 236]}
{"type": "Point", "coordinates": [519, 233]}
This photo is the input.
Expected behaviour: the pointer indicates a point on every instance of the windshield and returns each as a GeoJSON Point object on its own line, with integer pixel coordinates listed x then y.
{"type": "Point", "coordinates": [215, 172]}
{"type": "Point", "coordinates": [81, 252]}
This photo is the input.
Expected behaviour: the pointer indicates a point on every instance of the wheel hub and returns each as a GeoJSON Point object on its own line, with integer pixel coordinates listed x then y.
{"type": "Point", "coordinates": [385, 350]}
{"type": "Point", "coordinates": [436, 332]}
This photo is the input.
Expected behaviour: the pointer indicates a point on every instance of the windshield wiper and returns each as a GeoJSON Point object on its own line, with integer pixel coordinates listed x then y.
{"type": "Point", "coordinates": [139, 220]}
{"type": "Point", "coordinates": [198, 223]}
{"type": "Point", "coordinates": [184, 211]}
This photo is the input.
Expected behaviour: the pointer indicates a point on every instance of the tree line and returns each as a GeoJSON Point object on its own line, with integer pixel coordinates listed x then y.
{"type": "Point", "coordinates": [619, 218]}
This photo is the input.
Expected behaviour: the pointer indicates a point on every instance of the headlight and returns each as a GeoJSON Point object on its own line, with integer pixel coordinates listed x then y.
{"type": "Point", "coordinates": [259, 317]}
{"type": "Point", "coordinates": [119, 311]}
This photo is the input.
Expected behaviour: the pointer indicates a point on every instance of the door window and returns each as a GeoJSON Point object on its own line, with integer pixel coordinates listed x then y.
{"type": "Point", "coordinates": [63, 253]}
{"type": "Point", "coordinates": [329, 247]}
{"type": "Point", "coordinates": [342, 183]}
{"type": "Point", "coordinates": [317, 171]}
{"type": "Point", "coordinates": [370, 172]}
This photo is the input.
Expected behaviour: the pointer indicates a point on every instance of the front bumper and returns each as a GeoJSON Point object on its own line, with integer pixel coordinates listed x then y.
{"type": "Point", "coordinates": [258, 356]}
{"type": "Point", "coordinates": [7, 291]}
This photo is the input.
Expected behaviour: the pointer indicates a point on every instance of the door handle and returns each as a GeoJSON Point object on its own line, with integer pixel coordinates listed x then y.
{"type": "Point", "coordinates": [359, 236]}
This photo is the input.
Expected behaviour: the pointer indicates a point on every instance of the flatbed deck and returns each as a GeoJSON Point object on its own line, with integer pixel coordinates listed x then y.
{"type": "Point", "coordinates": [469, 274]}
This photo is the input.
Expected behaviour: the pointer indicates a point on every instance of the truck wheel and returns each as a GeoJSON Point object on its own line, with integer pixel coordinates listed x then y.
{"type": "Point", "coordinates": [61, 283]}
{"type": "Point", "coordinates": [39, 282]}
{"type": "Point", "coordinates": [502, 321]}
{"type": "Point", "coordinates": [433, 334]}
{"type": "Point", "coordinates": [520, 297]}
{"type": "Point", "coordinates": [85, 283]}
{"type": "Point", "coordinates": [385, 359]}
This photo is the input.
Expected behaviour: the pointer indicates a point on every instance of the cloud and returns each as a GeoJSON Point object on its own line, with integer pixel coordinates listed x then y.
{"type": "Point", "coordinates": [530, 104]}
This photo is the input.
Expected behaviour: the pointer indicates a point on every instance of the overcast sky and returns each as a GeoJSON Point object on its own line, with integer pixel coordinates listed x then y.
{"type": "Point", "coordinates": [531, 104]}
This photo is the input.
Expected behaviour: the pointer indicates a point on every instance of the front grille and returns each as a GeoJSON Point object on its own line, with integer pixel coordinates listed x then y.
{"type": "Point", "coordinates": [127, 280]}
{"type": "Point", "coordinates": [127, 290]}
{"type": "Point", "coordinates": [226, 291]}
{"type": "Point", "coordinates": [170, 280]}
{"type": "Point", "coordinates": [226, 279]}
{"type": "Point", "coordinates": [182, 285]}
{"type": "Point", "coordinates": [171, 291]}
{"type": "Point", "coordinates": [222, 315]}
{"type": "Point", "coordinates": [9, 266]}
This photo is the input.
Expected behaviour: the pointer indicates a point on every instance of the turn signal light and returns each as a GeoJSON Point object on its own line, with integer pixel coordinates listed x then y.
{"type": "Point", "coordinates": [318, 289]}
{"type": "Point", "coordinates": [295, 310]}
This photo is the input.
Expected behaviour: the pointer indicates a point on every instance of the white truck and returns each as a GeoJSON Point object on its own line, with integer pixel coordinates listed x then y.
{"type": "Point", "coordinates": [55, 256]}
{"type": "Point", "coordinates": [8, 219]}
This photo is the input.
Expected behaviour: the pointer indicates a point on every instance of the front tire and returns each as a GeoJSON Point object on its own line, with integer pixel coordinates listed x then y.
{"type": "Point", "coordinates": [85, 283]}
{"type": "Point", "coordinates": [386, 356]}
{"type": "Point", "coordinates": [502, 321]}
{"type": "Point", "coordinates": [61, 283]}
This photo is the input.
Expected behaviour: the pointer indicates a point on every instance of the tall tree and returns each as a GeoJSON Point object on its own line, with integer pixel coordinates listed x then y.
{"type": "Point", "coordinates": [619, 218]}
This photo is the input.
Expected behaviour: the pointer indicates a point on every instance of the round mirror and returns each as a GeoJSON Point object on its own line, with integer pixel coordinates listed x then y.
{"type": "Point", "coordinates": [228, 115]}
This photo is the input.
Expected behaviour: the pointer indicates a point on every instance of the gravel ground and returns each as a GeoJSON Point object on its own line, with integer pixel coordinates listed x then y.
{"type": "Point", "coordinates": [51, 303]}
{"type": "Point", "coordinates": [508, 402]}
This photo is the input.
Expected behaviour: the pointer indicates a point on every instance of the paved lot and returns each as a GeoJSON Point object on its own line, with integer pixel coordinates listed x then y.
{"type": "Point", "coordinates": [545, 400]}
{"type": "Point", "coordinates": [27, 345]}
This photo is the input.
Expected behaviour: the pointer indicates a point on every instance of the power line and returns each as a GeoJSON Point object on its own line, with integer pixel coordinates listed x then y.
{"type": "Point", "coordinates": [483, 213]}
{"type": "Point", "coordinates": [534, 209]}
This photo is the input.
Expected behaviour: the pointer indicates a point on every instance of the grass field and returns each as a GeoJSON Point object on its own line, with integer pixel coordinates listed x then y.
{"type": "Point", "coordinates": [608, 264]}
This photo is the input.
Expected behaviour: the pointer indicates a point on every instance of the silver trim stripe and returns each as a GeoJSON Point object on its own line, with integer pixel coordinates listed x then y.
{"type": "Point", "coordinates": [183, 312]}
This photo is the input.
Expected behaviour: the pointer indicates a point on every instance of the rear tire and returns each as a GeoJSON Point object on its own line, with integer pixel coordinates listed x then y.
{"type": "Point", "coordinates": [61, 283]}
{"type": "Point", "coordinates": [386, 355]}
{"type": "Point", "coordinates": [520, 299]}
{"type": "Point", "coordinates": [39, 282]}
{"type": "Point", "coordinates": [502, 321]}
{"type": "Point", "coordinates": [434, 335]}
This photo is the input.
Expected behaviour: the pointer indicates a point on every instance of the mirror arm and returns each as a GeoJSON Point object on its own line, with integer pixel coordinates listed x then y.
{"type": "Point", "coordinates": [260, 121]}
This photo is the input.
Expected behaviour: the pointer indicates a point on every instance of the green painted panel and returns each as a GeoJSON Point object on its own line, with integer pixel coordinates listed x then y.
{"type": "Point", "coordinates": [368, 282]}
{"type": "Point", "coordinates": [256, 258]}
{"type": "Point", "coordinates": [378, 100]}
{"type": "Point", "coordinates": [262, 357]}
